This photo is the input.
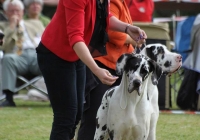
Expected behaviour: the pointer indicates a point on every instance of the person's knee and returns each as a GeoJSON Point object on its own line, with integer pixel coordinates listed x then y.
{"type": "Point", "coordinates": [8, 59]}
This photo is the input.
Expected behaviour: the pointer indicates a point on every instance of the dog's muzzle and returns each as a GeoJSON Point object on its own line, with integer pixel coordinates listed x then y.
{"type": "Point", "coordinates": [135, 86]}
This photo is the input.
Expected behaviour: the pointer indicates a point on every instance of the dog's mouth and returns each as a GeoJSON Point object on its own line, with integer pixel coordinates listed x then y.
{"type": "Point", "coordinates": [170, 73]}
{"type": "Point", "coordinates": [137, 89]}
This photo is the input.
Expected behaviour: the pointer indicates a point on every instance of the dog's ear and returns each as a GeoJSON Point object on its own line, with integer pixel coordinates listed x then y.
{"type": "Point", "coordinates": [121, 63]}
{"type": "Point", "coordinates": [157, 72]}
{"type": "Point", "coordinates": [149, 52]}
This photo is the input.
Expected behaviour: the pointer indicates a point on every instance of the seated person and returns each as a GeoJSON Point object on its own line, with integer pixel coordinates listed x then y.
{"type": "Point", "coordinates": [20, 40]}
{"type": "Point", "coordinates": [33, 11]}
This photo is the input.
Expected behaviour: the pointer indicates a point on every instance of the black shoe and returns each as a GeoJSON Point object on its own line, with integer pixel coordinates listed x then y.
{"type": "Point", "coordinates": [7, 103]}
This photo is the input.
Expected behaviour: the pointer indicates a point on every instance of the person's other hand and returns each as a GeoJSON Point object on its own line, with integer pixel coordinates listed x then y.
{"type": "Point", "coordinates": [14, 21]}
{"type": "Point", "coordinates": [105, 77]}
{"type": "Point", "coordinates": [137, 34]}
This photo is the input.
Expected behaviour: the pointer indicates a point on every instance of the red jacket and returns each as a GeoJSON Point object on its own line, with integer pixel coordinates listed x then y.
{"type": "Point", "coordinates": [73, 22]}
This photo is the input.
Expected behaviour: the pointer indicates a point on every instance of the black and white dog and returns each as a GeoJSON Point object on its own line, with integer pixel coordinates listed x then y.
{"type": "Point", "coordinates": [169, 61]}
{"type": "Point", "coordinates": [130, 111]}
{"type": "Point", "coordinates": [127, 112]}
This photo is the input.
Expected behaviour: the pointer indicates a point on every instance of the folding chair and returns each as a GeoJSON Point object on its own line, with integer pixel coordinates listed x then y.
{"type": "Point", "coordinates": [26, 83]}
{"type": "Point", "coordinates": [23, 82]}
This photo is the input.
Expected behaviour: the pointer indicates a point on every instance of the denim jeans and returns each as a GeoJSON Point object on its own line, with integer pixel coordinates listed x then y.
{"type": "Point", "coordinates": [65, 83]}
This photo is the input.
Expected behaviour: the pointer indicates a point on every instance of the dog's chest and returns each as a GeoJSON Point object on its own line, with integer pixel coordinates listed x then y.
{"type": "Point", "coordinates": [130, 126]}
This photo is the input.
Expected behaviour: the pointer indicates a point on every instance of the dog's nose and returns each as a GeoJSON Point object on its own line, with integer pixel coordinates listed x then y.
{"type": "Point", "coordinates": [137, 83]}
{"type": "Point", "coordinates": [179, 58]}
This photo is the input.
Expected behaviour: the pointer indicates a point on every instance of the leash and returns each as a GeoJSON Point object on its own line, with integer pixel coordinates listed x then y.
{"type": "Point", "coordinates": [138, 49]}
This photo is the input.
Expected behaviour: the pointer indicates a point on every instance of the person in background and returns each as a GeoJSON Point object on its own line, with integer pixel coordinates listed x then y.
{"type": "Point", "coordinates": [141, 10]}
{"type": "Point", "coordinates": [50, 7]}
{"type": "Point", "coordinates": [20, 40]}
{"type": "Point", "coordinates": [118, 44]}
{"type": "Point", "coordinates": [33, 11]}
{"type": "Point", "coordinates": [77, 31]}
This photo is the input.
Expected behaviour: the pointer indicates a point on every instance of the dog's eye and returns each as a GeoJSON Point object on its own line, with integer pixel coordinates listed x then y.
{"type": "Point", "coordinates": [161, 51]}
{"type": "Point", "coordinates": [143, 71]}
{"type": "Point", "coordinates": [136, 67]}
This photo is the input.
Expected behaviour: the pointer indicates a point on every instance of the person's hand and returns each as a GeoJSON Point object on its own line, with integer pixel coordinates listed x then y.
{"type": "Point", "coordinates": [137, 34]}
{"type": "Point", "coordinates": [105, 77]}
{"type": "Point", "coordinates": [14, 21]}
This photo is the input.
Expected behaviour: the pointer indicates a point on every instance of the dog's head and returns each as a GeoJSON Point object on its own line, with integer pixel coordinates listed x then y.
{"type": "Point", "coordinates": [170, 62]}
{"type": "Point", "coordinates": [137, 67]}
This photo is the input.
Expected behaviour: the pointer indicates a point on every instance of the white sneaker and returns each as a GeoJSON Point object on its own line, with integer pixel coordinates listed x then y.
{"type": "Point", "coordinates": [34, 94]}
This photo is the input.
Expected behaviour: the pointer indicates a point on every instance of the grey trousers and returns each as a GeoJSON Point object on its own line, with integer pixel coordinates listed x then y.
{"type": "Point", "coordinates": [14, 65]}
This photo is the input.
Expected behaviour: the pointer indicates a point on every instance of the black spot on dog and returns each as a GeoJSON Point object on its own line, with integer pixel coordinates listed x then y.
{"type": "Point", "coordinates": [150, 53]}
{"type": "Point", "coordinates": [168, 64]}
{"type": "Point", "coordinates": [120, 59]}
{"type": "Point", "coordinates": [143, 72]}
{"type": "Point", "coordinates": [101, 137]}
{"type": "Point", "coordinates": [163, 56]}
{"type": "Point", "coordinates": [106, 104]}
{"type": "Point", "coordinates": [103, 107]}
{"type": "Point", "coordinates": [160, 50]}
{"type": "Point", "coordinates": [132, 64]}
{"type": "Point", "coordinates": [111, 134]}
{"type": "Point", "coordinates": [97, 123]}
{"type": "Point", "coordinates": [111, 93]}
{"type": "Point", "coordinates": [104, 127]}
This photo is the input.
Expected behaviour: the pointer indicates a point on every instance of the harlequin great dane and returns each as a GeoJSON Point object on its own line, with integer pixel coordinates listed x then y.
{"type": "Point", "coordinates": [169, 61]}
{"type": "Point", "coordinates": [135, 119]}
{"type": "Point", "coordinates": [126, 110]}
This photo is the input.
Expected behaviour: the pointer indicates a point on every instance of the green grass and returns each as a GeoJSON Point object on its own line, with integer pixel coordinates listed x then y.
{"type": "Point", "coordinates": [178, 127]}
{"type": "Point", "coordinates": [32, 121]}
{"type": "Point", "coordinates": [28, 121]}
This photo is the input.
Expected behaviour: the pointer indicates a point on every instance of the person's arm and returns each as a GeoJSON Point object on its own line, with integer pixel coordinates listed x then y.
{"type": "Point", "coordinates": [129, 40]}
{"type": "Point", "coordinates": [83, 53]}
{"type": "Point", "coordinates": [134, 32]}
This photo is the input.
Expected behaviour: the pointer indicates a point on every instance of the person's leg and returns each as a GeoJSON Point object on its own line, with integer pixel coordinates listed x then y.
{"type": "Point", "coordinates": [80, 94]}
{"type": "Point", "coordinates": [61, 78]}
{"type": "Point", "coordinates": [12, 65]}
{"type": "Point", "coordinates": [33, 67]}
{"type": "Point", "coordinates": [88, 121]}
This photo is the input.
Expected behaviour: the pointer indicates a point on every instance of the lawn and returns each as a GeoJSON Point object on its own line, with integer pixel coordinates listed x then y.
{"type": "Point", "coordinates": [32, 121]}
{"type": "Point", "coordinates": [28, 121]}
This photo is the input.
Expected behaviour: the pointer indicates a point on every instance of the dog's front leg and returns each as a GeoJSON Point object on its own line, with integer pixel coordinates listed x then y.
{"type": "Point", "coordinates": [101, 120]}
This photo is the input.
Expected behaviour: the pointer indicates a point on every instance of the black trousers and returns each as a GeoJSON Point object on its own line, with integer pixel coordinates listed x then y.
{"type": "Point", "coordinates": [65, 82]}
